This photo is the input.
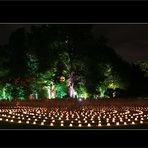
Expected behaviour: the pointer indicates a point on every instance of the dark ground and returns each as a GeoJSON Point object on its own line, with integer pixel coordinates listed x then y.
{"type": "Point", "coordinates": [8, 125]}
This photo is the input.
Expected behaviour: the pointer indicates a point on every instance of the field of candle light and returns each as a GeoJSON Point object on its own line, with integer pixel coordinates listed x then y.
{"type": "Point", "coordinates": [74, 114]}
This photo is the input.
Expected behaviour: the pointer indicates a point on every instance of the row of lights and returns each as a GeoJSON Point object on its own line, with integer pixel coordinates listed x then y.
{"type": "Point", "coordinates": [77, 115]}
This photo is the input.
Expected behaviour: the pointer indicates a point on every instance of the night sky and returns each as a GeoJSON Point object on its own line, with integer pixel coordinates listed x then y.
{"type": "Point", "coordinates": [130, 41]}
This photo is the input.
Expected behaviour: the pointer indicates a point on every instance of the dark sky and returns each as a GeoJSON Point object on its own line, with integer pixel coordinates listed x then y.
{"type": "Point", "coordinates": [130, 41]}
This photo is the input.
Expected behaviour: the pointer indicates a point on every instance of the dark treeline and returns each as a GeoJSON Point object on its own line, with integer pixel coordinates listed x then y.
{"type": "Point", "coordinates": [59, 61]}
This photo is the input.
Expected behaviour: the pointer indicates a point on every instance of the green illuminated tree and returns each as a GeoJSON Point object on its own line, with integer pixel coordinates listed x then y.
{"type": "Point", "coordinates": [62, 90]}
{"type": "Point", "coordinates": [49, 52]}
{"type": "Point", "coordinates": [143, 65]}
{"type": "Point", "coordinates": [32, 65]}
{"type": "Point", "coordinates": [6, 92]}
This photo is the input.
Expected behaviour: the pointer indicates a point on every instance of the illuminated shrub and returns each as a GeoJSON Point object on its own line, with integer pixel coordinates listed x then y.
{"type": "Point", "coordinates": [81, 92]}
{"type": "Point", "coordinates": [6, 92]}
{"type": "Point", "coordinates": [61, 90]}
{"type": "Point", "coordinates": [102, 90]}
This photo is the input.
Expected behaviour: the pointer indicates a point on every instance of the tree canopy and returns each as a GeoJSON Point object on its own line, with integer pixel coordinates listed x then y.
{"type": "Point", "coordinates": [61, 58]}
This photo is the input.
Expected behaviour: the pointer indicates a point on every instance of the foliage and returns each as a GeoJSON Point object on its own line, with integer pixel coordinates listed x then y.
{"type": "Point", "coordinates": [37, 59]}
{"type": "Point", "coordinates": [6, 92]}
{"type": "Point", "coordinates": [143, 65]}
{"type": "Point", "coordinates": [81, 92]}
{"type": "Point", "coordinates": [61, 90]}
{"type": "Point", "coordinates": [32, 63]}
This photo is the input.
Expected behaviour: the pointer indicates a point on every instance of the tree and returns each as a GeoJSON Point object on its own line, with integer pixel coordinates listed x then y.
{"type": "Point", "coordinates": [58, 58]}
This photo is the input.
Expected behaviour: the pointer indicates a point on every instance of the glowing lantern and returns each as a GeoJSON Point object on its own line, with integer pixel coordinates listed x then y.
{"type": "Point", "coordinates": [51, 124]}
{"type": "Point", "coordinates": [89, 125]}
{"type": "Point", "coordinates": [99, 124]}
{"type": "Point", "coordinates": [27, 122]}
{"type": "Point", "coordinates": [125, 123]}
{"type": "Point", "coordinates": [53, 121]}
{"type": "Point", "coordinates": [42, 123]}
{"type": "Point", "coordinates": [34, 122]}
{"type": "Point", "coordinates": [108, 124]}
{"type": "Point", "coordinates": [80, 125]}
{"type": "Point", "coordinates": [62, 79]}
{"type": "Point", "coordinates": [19, 121]}
{"type": "Point", "coordinates": [70, 125]}
{"type": "Point", "coordinates": [117, 123]}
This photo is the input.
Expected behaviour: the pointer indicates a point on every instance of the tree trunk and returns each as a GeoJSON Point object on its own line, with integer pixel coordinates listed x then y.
{"type": "Point", "coordinates": [72, 84]}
